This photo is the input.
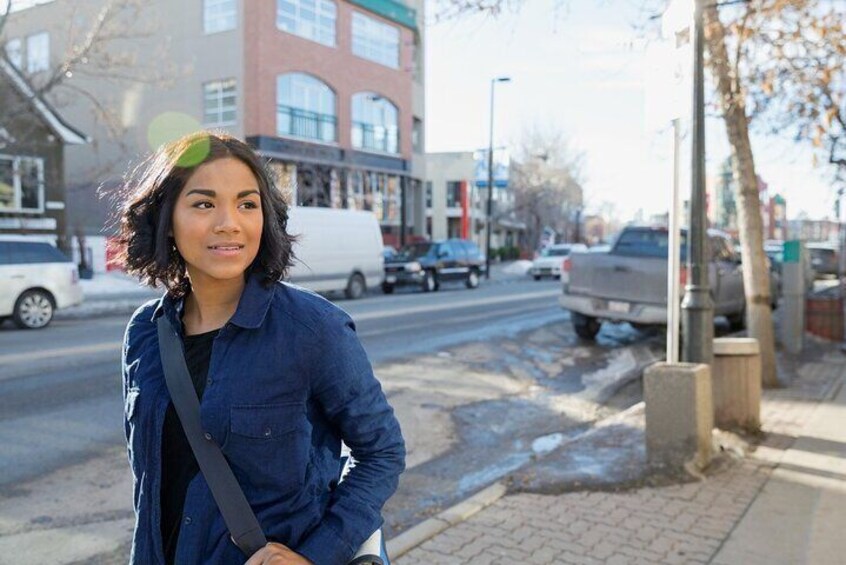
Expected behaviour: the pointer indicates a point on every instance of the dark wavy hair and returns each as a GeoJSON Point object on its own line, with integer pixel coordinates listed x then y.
{"type": "Point", "coordinates": [149, 196]}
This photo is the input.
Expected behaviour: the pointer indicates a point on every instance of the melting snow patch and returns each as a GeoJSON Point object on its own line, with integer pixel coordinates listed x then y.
{"type": "Point", "coordinates": [620, 363]}
{"type": "Point", "coordinates": [545, 444]}
{"type": "Point", "coordinates": [518, 267]}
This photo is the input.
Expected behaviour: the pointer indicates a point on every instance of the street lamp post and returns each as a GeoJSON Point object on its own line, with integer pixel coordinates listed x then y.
{"type": "Point", "coordinates": [697, 306]}
{"type": "Point", "coordinates": [490, 181]}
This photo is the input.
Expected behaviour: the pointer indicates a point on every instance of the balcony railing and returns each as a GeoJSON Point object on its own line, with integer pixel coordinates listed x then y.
{"type": "Point", "coordinates": [306, 124]}
{"type": "Point", "coordinates": [375, 138]}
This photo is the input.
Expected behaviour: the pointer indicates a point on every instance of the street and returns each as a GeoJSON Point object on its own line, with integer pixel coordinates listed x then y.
{"type": "Point", "coordinates": [482, 381]}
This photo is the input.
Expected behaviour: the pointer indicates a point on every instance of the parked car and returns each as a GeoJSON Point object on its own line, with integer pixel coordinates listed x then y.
{"type": "Point", "coordinates": [36, 279]}
{"type": "Point", "coordinates": [336, 250]}
{"type": "Point", "coordinates": [388, 251]}
{"type": "Point", "coordinates": [629, 283]}
{"type": "Point", "coordinates": [824, 258]}
{"type": "Point", "coordinates": [549, 262]}
{"type": "Point", "coordinates": [428, 264]}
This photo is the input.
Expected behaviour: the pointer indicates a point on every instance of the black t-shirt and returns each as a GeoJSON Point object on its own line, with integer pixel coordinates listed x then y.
{"type": "Point", "coordinates": [179, 466]}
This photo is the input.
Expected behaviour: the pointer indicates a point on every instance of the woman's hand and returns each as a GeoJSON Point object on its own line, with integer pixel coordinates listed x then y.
{"type": "Point", "coordinates": [277, 554]}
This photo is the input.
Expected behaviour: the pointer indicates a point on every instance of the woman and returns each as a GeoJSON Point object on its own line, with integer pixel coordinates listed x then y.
{"type": "Point", "coordinates": [280, 373]}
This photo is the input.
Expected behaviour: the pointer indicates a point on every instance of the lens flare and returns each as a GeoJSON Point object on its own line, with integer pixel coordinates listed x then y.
{"type": "Point", "coordinates": [170, 126]}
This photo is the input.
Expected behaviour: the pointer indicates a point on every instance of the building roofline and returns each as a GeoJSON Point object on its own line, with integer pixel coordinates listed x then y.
{"type": "Point", "coordinates": [392, 10]}
{"type": "Point", "coordinates": [66, 132]}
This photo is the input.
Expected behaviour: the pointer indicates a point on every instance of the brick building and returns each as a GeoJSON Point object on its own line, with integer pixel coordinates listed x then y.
{"type": "Point", "coordinates": [330, 92]}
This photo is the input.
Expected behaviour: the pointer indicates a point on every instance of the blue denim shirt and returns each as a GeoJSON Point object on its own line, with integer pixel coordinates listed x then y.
{"type": "Point", "coordinates": [288, 380]}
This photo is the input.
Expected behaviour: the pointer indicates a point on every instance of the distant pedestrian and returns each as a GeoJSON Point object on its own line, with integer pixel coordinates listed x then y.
{"type": "Point", "coordinates": [281, 376]}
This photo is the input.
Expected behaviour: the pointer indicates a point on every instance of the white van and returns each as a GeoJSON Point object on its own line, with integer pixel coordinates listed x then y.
{"type": "Point", "coordinates": [35, 280]}
{"type": "Point", "coordinates": [336, 250]}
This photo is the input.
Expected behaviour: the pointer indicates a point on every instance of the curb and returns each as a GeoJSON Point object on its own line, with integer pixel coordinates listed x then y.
{"type": "Point", "coordinates": [431, 527]}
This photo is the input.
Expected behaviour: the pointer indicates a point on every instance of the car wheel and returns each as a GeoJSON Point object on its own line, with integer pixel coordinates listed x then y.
{"type": "Point", "coordinates": [586, 327]}
{"type": "Point", "coordinates": [430, 283]}
{"type": "Point", "coordinates": [387, 288]}
{"type": "Point", "coordinates": [33, 310]}
{"type": "Point", "coordinates": [472, 279]}
{"type": "Point", "coordinates": [356, 287]}
{"type": "Point", "coordinates": [536, 277]}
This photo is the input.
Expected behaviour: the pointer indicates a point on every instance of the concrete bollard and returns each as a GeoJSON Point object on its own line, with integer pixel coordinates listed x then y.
{"type": "Point", "coordinates": [679, 415]}
{"type": "Point", "coordinates": [736, 383]}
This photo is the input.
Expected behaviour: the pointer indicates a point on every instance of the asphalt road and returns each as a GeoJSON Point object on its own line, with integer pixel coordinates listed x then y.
{"type": "Point", "coordinates": [60, 400]}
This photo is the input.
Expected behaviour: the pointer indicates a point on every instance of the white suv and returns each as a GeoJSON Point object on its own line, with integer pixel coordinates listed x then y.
{"type": "Point", "coordinates": [35, 280]}
{"type": "Point", "coordinates": [549, 262]}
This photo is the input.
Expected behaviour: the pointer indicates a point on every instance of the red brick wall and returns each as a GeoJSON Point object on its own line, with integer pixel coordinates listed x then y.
{"type": "Point", "coordinates": [269, 52]}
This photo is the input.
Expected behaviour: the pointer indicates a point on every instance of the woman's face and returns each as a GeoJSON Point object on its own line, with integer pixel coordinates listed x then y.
{"type": "Point", "coordinates": [217, 220]}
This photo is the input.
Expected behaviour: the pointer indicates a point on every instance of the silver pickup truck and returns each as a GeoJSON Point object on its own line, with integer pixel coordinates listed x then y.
{"type": "Point", "coordinates": [629, 282]}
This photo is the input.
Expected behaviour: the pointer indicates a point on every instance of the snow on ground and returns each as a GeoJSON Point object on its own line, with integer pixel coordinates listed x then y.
{"type": "Point", "coordinates": [520, 267]}
{"type": "Point", "coordinates": [112, 284]}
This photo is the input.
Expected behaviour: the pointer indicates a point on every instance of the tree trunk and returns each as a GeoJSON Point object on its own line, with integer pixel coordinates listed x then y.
{"type": "Point", "coordinates": [756, 278]}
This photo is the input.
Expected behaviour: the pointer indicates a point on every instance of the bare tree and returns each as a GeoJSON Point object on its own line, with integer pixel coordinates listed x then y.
{"type": "Point", "coordinates": [781, 60]}
{"type": "Point", "coordinates": [792, 62]}
{"type": "Point", "coordinates": [547, 184]}
{"type": "Point", "coordinates": [106, 44]}
{"type": "Point", "coordinates": [756, 280]}
{"type": "Point", "coordinates": [779, 63]}
{"type": "Point", "coordinates": [101, 46]}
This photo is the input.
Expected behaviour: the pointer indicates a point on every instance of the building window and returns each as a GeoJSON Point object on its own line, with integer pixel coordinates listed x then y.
{"type": "Point", "coordinates": [453, 194]}
{"type": "Point", "coordinates": [21, 184]}
{"type": "Point", "coordinates": [14, 51]}
{"type": "Point", "coordinates": [305, 107]}
{"type": "Point", "coordinates": [219, 103]}
{"type": "Point", "coordinates": [38, 52]}
{"type": "Point", "coordinates": [417, 135]}
{"type": "Point", "coordinates": [375, 41]}
{"type": "Point", "coordinates": [374, 123]}
{"type": "Point", "coordinates": [219, 15]}
{"type": "Point", "coordinates": [311, 19]}
{"type": "Point", "coordinates": [428, 194]}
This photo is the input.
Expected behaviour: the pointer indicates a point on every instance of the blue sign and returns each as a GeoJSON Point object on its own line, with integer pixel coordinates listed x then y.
{"type": "Point", "coordinates": [501, 168]}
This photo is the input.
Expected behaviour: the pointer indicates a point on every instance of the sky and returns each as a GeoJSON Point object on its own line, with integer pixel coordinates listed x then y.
{"type": "Point", "coordinates": [586, 70]}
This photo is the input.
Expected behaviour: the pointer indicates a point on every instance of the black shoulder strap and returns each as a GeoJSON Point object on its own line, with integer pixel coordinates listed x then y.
{"type": "Point", "coordinates": [239, 517]}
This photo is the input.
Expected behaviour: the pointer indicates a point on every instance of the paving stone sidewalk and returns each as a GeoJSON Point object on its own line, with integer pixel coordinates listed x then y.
{"type": "Point", "coordinates": [685, 523]}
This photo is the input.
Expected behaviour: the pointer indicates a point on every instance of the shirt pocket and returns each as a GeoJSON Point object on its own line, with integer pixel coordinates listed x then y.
{"type": "Point", "coordinates": [268, 445]}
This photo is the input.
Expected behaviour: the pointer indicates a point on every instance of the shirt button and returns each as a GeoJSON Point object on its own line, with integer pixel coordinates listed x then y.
{"type": "Point", "coordinates": [267, 432]}
{"type": "Point", "coordinates": [187, 520]}
{"type": "Point", "coordinates": [208, 381]}
{"type": "Point", "coordinates": [208, 436]}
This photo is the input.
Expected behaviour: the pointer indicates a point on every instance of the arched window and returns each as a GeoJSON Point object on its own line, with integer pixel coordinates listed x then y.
{"type": "Point", "coordinates": [312, 19]}
{"type": "Point", "coordinates": [374, 123]}
{"type": "Point", "coordinates": [305, 107]}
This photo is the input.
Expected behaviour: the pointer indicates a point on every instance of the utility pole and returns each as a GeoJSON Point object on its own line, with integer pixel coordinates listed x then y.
{"type": "Point", "coordinates": [697, 306]}
{"type": "Point", "coordinates": [490, 181]}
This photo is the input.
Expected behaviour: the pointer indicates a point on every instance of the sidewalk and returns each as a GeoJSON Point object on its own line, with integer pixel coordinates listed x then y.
{"type": "Point", "coordinates": [784, 502]}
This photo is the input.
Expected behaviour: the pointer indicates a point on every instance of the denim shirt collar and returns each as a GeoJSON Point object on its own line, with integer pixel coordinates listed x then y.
{"type": "Point", "coordinates": [252, 306]}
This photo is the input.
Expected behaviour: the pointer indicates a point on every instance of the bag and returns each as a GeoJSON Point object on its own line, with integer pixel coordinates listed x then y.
{"type": "Point", "coordinates": [240, 519]}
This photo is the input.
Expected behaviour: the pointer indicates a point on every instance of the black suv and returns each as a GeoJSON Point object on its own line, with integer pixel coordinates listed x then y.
{"type": "Point", "coordinates": [428, 264]}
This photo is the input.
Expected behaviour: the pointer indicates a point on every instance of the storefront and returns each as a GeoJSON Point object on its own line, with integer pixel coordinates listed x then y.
{"type": "Point", "coordinates": [326, 176]}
